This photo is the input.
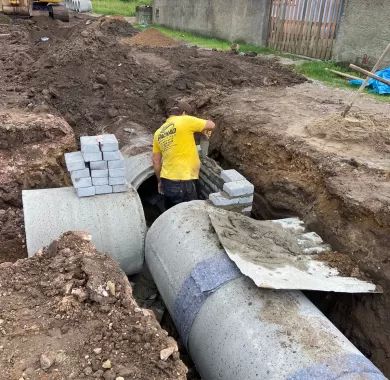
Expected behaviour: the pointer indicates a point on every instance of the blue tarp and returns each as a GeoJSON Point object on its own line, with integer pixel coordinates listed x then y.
{"type": "Point", "coordinates": [373, 84]}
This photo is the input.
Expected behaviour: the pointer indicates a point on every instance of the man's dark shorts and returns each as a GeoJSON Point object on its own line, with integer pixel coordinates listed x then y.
{"type": "Point", "coordinates": [176, 192]}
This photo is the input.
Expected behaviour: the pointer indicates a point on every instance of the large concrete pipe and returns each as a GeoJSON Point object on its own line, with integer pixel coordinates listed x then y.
{"type": "Point", "coordinates": [232, 329]}
{"type": "Point", "coordinates": [115, 221]}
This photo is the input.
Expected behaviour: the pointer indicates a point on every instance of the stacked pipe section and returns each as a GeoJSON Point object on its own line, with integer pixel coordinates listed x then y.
{"type": "Point", "coordinates": [232, 329]}
{"type": "Point", "coordinates": [99, 168]}
{"type": "Point", "coordinates": [79, 5]}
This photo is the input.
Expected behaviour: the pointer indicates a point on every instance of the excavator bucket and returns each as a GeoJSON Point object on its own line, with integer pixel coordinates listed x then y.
{"type": "Point", "coordinates": [16, 7]}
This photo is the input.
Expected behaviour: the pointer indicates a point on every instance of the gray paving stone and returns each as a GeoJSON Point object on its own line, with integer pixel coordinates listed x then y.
{"type": "Point", "coordinates": [86, 191]}
{"type": "Point", "coordinates": [82, 182]}
{"type": "Point", "coordinates": [120, 172]}
{"type": "Point", "coordinates": [108, 143]}
{"type": "Point", "coordinates": [120, 188]}
{"type": "Point", "coordinates": [98, 165]}
{"type": "Point", "coordinates": [111, 156]}
{"type": "Point", "coordinates": [100, 181]}
{"type": "Point", "coordinates": [105, 189]}
{"type": "Point", "coordinates": [99, 173]}
{"type": "Point", "coordinates": [238, 188]}
{"type": "Point", "coordinates": [74, 161]}
{"type": "Point", "coordinates": [89, 157]}
{"type": "Point", "coordinates": [89, 144]}
{"type": "Point", "coordinates": [116, 180]}
{"type": "Point", "coordinates": [116, 164]}
{"type": "Point", "coordinates": [223, 199]}
{"type": "Point", "coordinates": [231, 175]}
{"type": "Point", "coordinates": [83, 173]}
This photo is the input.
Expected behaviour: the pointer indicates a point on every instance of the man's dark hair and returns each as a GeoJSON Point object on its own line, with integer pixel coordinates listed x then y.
{"type": "Point", "coordinates": [179, 108]}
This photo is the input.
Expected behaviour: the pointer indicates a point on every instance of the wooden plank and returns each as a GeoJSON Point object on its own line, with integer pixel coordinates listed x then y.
{"type": "Point", "coordinates": [342, 74]}
{"type": "Point", "coordinates": [301, 31]}
{"type": "Point", "coordinates": [324, 30]}
{"type": "Point", "coordinates": [369, 74]}
{"type": "Point", "coordinates": [306, 34]}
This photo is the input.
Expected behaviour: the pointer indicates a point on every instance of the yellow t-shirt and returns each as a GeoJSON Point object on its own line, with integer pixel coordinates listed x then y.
{"type": "Point", "coordinates": [175, 141]}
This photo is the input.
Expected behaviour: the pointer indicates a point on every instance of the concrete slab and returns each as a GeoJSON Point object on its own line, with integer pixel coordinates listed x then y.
{"type": "Point", "coordinates": [112, 156]}
{"type": "Point", "coordinates": [108, 143]}
{"type": "Point", "coordinates": [74, 161]}
{"type": "Point", "coordinates": [89, 157]}
{"type": "Point", "coordinates": [77, 174]}
{"type": "Point", "coordinates": [100, 181]}
{"type": "Point", "coordinates": [99, 173]}
{"type": "Point", "coordinates": [222, 199]}
{"type": "Point", "coordinates": [85, 191]}
{"type": "Point", "coordinates": [115, 221]}
{"type": "Point", "coordinates": [231, 175]}
{"type": "Point", "coordinates": [238, 188]}
{"type": "Point", "coordinates": [120, 188]}
{"type": "Point", "coordinates": [89, 144]}
{"type": "Point", "coordinates": [116, 180]}
{"type": "Point", "coordinates": [118, 172]}
{"type": "Point", "coordinates": [278, 257]}
{"type": "Point", "coordinates": [82, 182]}
{"type": "Point", "coordinates": [98, 165]}
{"type": "Point", "coordinates": [104, 189]}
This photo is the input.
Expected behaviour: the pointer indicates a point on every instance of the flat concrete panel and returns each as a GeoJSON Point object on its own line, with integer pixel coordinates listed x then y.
{"type": "Point", "coordinates": [245, 20]}
{"type": "Point", "coordinates": [115, 221]}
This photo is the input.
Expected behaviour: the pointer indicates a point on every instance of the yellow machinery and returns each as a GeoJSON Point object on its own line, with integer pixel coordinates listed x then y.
{"type": "Point", "coordinates": [25, 8]}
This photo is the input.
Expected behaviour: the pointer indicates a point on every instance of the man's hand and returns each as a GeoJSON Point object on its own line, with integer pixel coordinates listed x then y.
{"type": "Point", "coordinates": [160, 188]}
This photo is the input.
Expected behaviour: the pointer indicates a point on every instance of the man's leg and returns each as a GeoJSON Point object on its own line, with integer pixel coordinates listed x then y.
{"type": "Point", "coordinates": [190, 194]}
{"type": "Point", "coordinates": [173, 193]}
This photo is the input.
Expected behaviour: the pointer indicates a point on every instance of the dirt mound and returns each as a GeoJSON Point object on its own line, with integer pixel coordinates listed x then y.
{"type": "Point", "coordinates": [152, 38]}
{"type": "Point", "coordinates": [69, 313]}
{"type": "Point", "coordinates": [31, 156]}
{"type": "Point", "coordinates": [355, 128]}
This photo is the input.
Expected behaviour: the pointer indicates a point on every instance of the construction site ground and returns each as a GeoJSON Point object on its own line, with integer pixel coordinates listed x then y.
{"type": "Point", "coordinates": [281, 131]}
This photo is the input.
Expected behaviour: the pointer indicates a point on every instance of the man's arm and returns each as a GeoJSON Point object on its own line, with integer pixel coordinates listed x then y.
{"type": "Point", "coordinates": [157, 164]}
{"type": "Point", "coordinates": [210, 125]}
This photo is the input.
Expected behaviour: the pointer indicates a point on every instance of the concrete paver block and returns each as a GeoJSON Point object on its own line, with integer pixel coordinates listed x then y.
{"type": "Point", "coordinates": [89, 144]}
{"type": "Point", "coordinates": [108, 143]}
{"type": "Point", "coordinates": [238, 188]}
{"type": "Point", "coordinates": [89, 157]}
{"type": "Point", "coordinates": [111, 156]}
{"type": "Point", "coordinates": [117, 181]}
{"type": "Point", "coordinates": [104, 189]}
{"type": "Point", "coordinates": [86, 191]}
{"type": "Point", "coordinates": [83, 173]}
{"type": "Point", "coordinates": [120, 172]}
{"type": "Point", "coordinates": [231, 175]}
{"type": "Point", "coordinates": [120, 188]}
{"type": "Point", "coordinates": [116, 164]}
{"type": "Point", "coordinates": [99, 173]}
{"type": "Point", "coordinates": [74, 161]}
{"type": "Point", "coordinates": [223, 199]}
{"type": "Point", "coordinates": [98, 165]}
{"type": "Point", "coordinates": [100, 181]}
{"type": "Point", "coordinates": [82, 182]}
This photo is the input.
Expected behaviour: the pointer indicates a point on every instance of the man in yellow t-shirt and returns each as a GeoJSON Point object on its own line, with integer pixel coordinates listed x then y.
{"type": "Point", "coordinates": [175, 156]}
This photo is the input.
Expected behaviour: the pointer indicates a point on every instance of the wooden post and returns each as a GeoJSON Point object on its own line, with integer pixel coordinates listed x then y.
{"type": "Point", "coordinates": [369, 74]}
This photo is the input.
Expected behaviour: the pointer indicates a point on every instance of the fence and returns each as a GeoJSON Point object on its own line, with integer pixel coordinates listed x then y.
{"type": "Point", "coordinates": [306, 27]}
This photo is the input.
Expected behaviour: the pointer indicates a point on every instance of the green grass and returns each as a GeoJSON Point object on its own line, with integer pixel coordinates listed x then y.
{"type": "Point", "coordinates": [117, 7]}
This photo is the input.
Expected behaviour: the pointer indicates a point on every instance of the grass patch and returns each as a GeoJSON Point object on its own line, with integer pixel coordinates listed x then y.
{"type": "Point", "coordinates": [117, 7]}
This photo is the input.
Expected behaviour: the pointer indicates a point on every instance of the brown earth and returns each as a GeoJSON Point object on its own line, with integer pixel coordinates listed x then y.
{"type": "Point", "coordinates": [152, 38]}
{"type": "Point", "coordinates": [69, 313]}
{"type": "Point", "coordinates": [31, 156]}
{"type": "Point", "coordinates": [285, 136]}
{"type": "Point", "coordinates": [334, 174]}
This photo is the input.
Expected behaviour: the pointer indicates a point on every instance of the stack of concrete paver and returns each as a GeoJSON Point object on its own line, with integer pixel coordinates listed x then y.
{"type": "Point", "coordinates": [99, 168]}
{"type": "Point", "coordinates": [237, 192]}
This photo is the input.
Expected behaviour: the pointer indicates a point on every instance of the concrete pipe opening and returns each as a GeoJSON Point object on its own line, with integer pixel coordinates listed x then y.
{"type": "Point", "coordinates": [115, 221]}
{"type": "Point", "coordinates": [232, 329]}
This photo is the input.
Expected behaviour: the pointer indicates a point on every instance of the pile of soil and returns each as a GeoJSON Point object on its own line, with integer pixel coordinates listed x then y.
{"type": "Point", "coordinates": [69, 313]}
{"type": "Point", "coordinates": [356, 128]}
{"type": "Point", "coordinates": [31, 156]}
{"type": "Point", "coordinates": [152, 38]}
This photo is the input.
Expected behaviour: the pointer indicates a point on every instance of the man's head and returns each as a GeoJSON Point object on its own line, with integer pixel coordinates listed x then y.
{"type": "Point", "coordinates": [180, 108]}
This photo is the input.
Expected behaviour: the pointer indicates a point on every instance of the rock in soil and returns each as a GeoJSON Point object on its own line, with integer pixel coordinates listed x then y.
{"type": "Point", "coordinates": [50, 333]}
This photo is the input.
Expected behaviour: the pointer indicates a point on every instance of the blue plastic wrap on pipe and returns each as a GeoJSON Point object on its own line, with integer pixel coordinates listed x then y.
{"type": "Point", "coordinates": [374, 85]}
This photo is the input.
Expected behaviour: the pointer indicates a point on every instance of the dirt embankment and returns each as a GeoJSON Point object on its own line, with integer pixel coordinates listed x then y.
{"type": "Point", "coordinates": [31, 156]}
{"type": "Point", "coordinates": [332, 177]}
{"type": "Point", "coordinates": [69, 313]}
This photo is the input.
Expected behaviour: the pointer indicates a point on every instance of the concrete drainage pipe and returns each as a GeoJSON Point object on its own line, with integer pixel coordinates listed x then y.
{"type": "Point", "coordinates": [115, 221]}
{"type": "Point", "coordinates": [232, 329]}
